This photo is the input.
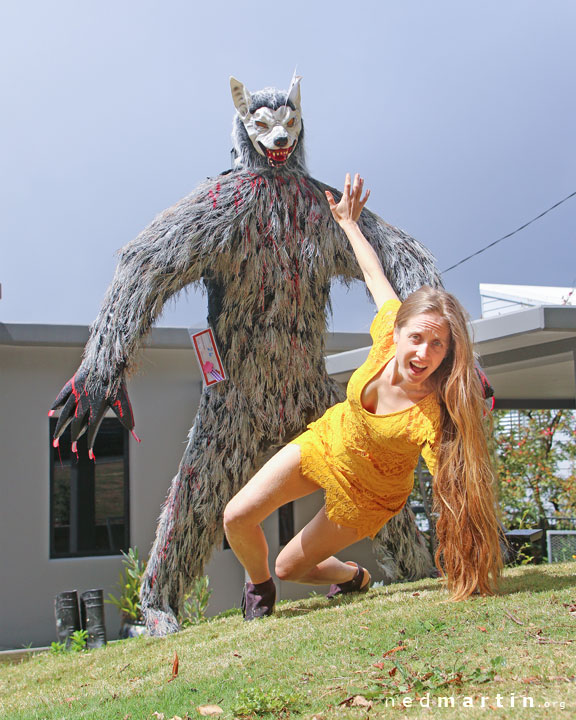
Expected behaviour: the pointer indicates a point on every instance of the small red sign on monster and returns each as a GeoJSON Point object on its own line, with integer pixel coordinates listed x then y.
{"type": "Point", "coordinates": [208, 357]}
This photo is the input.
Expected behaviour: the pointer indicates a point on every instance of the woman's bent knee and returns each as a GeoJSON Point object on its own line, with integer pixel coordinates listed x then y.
{"type": "Point", "coordinates": [286, 570]}
{"type": "Point", "coordinates": [234, 516]}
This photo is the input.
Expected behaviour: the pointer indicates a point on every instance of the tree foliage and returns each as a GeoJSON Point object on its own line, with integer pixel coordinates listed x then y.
{"type": "Point", "coordinates": [535, 454]}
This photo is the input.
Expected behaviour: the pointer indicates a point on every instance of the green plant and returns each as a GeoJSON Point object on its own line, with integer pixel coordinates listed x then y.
{"type": "Point", "coordinates": [432, 625]}
{"type": "Point", "coordinates": [57, 647]}
{"type": "Point", "coordinates": [196, 604]}
{"type": "Point", "coordinates": [78, 640]}
{"type": "Point", "coordinates": [403, 679]}
{"type": "Point", "coordinates": [256, 701]}
{"type": "Point", "coordinates": [128, 599]}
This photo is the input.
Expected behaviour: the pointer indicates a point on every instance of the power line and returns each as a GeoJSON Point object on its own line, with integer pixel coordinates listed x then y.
{"type": "Point", "coordinates": [478, 252]}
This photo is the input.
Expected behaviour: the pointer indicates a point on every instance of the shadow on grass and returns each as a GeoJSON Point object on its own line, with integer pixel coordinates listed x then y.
{"type": "Point", "coordinates": [535, 579]}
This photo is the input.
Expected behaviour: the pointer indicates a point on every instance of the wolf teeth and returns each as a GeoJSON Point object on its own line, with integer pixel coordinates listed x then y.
{"type": "Point", "coordinates": [279, 156]}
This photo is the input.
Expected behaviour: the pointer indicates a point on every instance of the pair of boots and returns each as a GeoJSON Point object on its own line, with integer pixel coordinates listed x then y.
{"type": "Point", "coordinates": [88, 614]}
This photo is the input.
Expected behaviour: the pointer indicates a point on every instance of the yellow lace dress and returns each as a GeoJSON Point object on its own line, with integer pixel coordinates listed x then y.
{"type": "Point", "coordinates": [365, 462]}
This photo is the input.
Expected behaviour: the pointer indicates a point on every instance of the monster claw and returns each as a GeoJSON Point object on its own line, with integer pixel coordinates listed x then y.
{"type": "Point", "coordinates": [51, 413]}
{"type": "Point", "coordinates": [91, 454]}
{"type": "Point", "coordinates": [135, 436]}
{"type": "Point", "coordinates": [55, 442]}
{"type": "Point", "coordinates": [75, 447]}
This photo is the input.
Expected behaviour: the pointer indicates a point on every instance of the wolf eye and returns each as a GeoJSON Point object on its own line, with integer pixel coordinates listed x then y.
{"type": "Point", "coordinates": [261, 124]}
{"type": "Point", "coordinates": [291, 122]}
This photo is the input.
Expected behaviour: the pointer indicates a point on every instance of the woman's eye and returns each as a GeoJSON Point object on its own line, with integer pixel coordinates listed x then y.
{"type": "Point", "coordinates": [261, 124]}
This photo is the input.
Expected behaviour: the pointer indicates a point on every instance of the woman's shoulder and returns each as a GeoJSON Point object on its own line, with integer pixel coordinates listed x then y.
{"type": "Point", "coordinates": [385, 318]}
{"type": "Point", "coordinates": [429, 413]}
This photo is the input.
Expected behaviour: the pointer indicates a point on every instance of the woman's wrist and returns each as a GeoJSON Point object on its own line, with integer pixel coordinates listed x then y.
{"type": "Point", "coordinates": [348, 224]}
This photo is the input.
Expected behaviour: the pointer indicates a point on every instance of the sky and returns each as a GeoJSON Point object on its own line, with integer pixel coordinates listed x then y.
{"type": "Point", "coordinates": [460, 116]}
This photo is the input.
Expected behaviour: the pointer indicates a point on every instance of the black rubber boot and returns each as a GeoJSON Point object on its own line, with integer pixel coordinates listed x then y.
{"type": "Point", "coordinates": [258, 600]}
{"type": "Point", "coordinates": [67, 615]}
{"type": "Point", "coordinates": [92, 607]}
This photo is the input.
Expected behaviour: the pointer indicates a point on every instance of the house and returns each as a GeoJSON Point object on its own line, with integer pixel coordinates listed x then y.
{"type": "Point", "coordinates": [61, 530]}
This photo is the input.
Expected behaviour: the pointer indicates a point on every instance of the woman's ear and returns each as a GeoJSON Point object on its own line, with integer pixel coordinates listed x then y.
{"type": "Point", "coordinates": [396, 334]}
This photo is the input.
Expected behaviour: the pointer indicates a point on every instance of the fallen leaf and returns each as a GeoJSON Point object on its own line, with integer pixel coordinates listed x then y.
{"type": "Point", "coordinates": [378, 665]}
{"type": "Point", "coordinates": [393, 671]}
{"type": "Point", "coordinates": [393, 650]}
{"type": "Point", "coordinates": [415, 594]}
{"type": "Point", "coordinates": [356, 701]}
{"type": "Point", "coordinates": [482, 629]}
{"type": "Point", "coordinates": [360, 701]}
{"type": "Point", "coordinates": [158, 716]}
{"type": "Point", "coordinates": [236, 654]}
{"type": "Point", "coordinates": [175, 666]}
{"type": "Point", "coordinates": [210, 710]}
{"type": "Point", "coordinates": [364, 627]}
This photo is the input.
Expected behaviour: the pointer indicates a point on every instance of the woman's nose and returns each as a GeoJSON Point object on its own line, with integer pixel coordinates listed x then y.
{"type": "Point", "coordinates": [422, 351]}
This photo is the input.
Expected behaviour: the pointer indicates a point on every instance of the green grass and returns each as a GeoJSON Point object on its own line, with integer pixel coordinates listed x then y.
{"type": "Point", "coordinates": [332, 660]}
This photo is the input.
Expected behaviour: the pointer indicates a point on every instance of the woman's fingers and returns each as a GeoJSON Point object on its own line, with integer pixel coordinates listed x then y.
{"type": "Point", "coordinates": [351, 203]}
{"type": "Point", "coordinates": [330, 198]}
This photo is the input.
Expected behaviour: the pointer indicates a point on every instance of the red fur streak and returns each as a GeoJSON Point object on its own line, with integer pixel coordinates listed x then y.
{"type": "Point", "coordinates": [76, 395]}
{"type": "Point", "coordinates": [214, 196]}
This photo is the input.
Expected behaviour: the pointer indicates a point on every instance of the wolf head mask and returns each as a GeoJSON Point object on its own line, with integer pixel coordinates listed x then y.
{"type": "Point", "coordinates": [268, 129]}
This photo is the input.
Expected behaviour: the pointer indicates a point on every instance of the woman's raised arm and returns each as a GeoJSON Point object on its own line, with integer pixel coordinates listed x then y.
{"type": "Point", "coordinates": [346, 214]}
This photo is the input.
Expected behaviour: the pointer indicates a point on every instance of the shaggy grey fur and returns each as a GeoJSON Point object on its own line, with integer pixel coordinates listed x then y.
{"type": "Point", "coordinates": [264, 244]}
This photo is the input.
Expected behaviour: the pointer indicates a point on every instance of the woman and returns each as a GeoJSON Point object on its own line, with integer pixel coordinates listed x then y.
{"type": "Point", "coordinates": [418, 392]}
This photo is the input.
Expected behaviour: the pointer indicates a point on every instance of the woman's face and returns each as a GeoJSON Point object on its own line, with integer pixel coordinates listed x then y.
{"type": "Point", "coordinates": [421, 345]}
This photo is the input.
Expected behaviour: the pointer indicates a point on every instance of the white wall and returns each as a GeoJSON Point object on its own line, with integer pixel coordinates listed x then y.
{"type": "Point", "coordinates": [164, 394]}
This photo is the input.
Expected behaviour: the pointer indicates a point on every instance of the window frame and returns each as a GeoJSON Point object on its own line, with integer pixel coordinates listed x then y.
{"type": "Point", "coordinates": [84, 469]}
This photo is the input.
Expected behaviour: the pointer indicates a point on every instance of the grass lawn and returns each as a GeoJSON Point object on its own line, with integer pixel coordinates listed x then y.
{"type": "Point", "coordinates": [401, 651]}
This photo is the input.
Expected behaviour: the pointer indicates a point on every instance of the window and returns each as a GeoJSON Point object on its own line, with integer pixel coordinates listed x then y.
{"type": "Point", "coordinates": [286, 523]}
{"type": "Point", "coordinates": [89, 501]}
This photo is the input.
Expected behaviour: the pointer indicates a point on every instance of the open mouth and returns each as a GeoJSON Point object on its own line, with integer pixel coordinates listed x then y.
{"type": "Point", "coordinates": [277, 157]}
{"type": "Point", "coordinates": [417, 369]}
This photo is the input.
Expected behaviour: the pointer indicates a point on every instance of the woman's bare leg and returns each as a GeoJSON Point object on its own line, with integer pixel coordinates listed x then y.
{"type": "Point", "coordinates": [278, 482]}
{"type": "Point", "coordinates": [308, 557]}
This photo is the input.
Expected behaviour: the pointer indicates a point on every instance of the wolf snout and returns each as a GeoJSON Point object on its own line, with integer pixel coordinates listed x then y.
{"type": "Point", "coordinates": [281, 141]}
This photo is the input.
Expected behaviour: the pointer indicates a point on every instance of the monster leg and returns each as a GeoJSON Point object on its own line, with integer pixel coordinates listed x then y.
{"type": "Point", "coordinates": [401, 551]}
{"type": "Point", "coordinates": [220, 457]}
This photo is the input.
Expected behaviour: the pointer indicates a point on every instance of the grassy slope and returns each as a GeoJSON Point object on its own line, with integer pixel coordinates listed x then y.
{"type": "Point", "coordinates": [313, 655]}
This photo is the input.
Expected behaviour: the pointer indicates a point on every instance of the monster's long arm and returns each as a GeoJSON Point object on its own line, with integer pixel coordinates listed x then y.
{"type": "Point", "coordinates": [407, 263]}
{"type": "Point", "coordinates": [173, 251]}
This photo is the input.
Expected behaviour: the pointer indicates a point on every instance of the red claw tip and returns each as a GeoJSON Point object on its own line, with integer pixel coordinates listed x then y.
{"type": "Point", "coordinates": [91, 454]}
{"type": "Point", "coordinates": [55, 442]}
{"type": "Point", "coordinates": [51, 413]}
{"type": "Point", "coordinates": [135, 436]}
{"type": "Point", "coordinates": [74, 447]}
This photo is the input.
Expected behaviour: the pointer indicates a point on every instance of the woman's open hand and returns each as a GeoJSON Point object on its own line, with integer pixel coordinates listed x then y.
{"type": "Point", "coordinates": [351, 202]}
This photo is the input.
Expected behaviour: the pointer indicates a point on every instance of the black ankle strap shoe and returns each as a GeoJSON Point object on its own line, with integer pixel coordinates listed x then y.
{"type": "Point", "coordinates": [351, 586]}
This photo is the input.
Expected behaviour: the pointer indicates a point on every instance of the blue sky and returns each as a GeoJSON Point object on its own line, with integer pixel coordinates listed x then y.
{"type": "Point", "coordinates": [460, 116]}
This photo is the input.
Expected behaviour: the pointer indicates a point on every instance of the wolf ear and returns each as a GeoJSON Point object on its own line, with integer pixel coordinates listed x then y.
{"type": "Point", "coordinates": [240, 96]}
{"type": "Point", "coordinates": [294, 92]}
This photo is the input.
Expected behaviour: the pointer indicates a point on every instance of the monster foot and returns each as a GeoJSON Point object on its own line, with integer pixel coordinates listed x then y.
{"type": "Point", "coordinates": [160, 622]}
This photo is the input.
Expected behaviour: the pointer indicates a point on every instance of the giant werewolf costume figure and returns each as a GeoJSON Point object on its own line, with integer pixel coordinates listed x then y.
{"type": "Point", "coordinates": [262, 240]}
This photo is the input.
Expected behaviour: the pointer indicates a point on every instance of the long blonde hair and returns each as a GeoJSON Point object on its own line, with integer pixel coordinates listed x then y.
{"type": "Point", "coordinates": [468, 553]}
